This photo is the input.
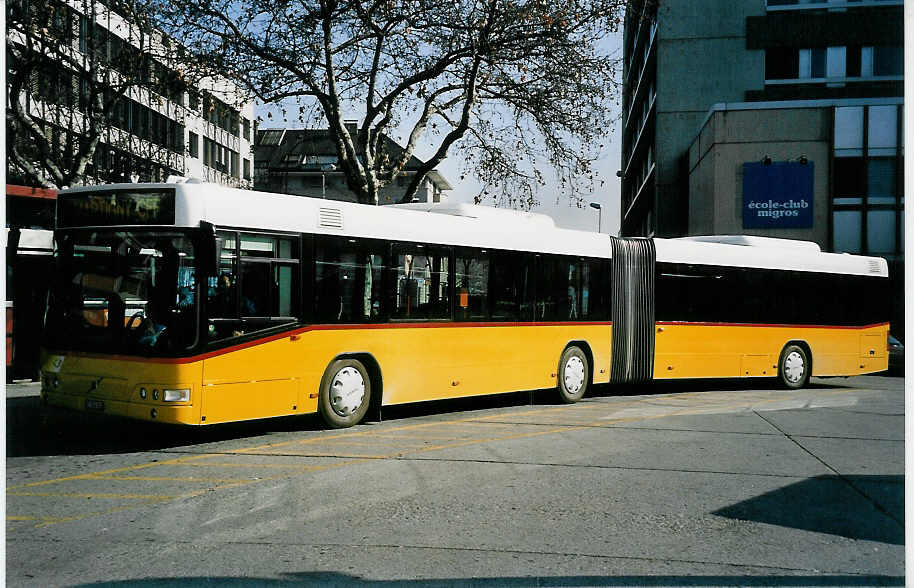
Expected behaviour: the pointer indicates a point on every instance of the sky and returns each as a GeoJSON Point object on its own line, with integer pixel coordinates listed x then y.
{"type": "Point", "coordinates": [608, 196]}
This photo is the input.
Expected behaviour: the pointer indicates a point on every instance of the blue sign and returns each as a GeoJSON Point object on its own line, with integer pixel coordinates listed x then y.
{"type": "Point", "coordinates": [777, 195]}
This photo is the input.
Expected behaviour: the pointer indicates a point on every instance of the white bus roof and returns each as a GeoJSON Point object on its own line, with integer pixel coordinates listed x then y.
{"type": "Point", "coordinates": [477, 226]}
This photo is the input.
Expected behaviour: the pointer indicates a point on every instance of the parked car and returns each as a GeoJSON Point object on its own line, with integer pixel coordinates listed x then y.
{"type": "Point", "coordinates": [896, 356]}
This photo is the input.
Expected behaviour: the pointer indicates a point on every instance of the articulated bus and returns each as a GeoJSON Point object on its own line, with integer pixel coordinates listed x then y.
{"type": "Point", "coordinates": [198, 304]}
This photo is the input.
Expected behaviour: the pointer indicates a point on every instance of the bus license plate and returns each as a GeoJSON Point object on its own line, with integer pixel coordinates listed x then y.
{"type": "Point", "coordinates": [92, 404]}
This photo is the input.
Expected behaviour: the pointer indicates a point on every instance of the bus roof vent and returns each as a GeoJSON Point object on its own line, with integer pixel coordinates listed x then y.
{"type": "Point", "coordinates": [330, 218]}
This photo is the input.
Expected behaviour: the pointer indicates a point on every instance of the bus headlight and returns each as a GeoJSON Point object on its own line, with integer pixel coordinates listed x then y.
{"type": "Point", "coordinates": [182, 395]}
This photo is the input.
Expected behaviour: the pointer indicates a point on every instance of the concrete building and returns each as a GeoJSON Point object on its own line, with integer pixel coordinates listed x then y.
{"type": "Point", "coordinates": [304, 162]}
{"type": "Point", "coordinates": [779, 118]}
{"type": "Point", "coordinates": [681, 58]}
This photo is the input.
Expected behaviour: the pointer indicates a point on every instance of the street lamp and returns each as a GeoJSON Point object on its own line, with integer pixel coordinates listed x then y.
{"type": "Point", "coordinates": [327, 167]}
{"type": "Point", "coordinates": [599, 215]}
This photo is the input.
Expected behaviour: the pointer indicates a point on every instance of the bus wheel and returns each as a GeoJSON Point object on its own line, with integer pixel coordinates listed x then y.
{"type": "Point", "coordinates": [345, 393]}
{"type": "Point", "coordinates": [573, 375]}
{"type": "Point", "coordinates": [793, 368]}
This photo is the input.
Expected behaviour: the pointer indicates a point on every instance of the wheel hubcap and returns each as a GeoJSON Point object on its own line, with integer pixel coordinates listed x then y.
{"type": "Point", "coordinates": [574, 375]}
{"type": "Point", "coordinates": [347, 391]}
{"type": "Point", "coordinates": [794, 367]}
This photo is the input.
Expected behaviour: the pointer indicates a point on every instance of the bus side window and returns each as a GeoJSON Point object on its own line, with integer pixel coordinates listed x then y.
{"type": "Point", "coordinates": [511, 286]}
{"type": "Point", "coordinates": [421, 279]}
{"type": "Point", "coordinates": [472, 280]}
{"type": "Point", "coordinates": [556, 290]}
{"type": "Point", "coordinates": [347, 279]}
{"type": "Point", "coordinates": [257, 284]}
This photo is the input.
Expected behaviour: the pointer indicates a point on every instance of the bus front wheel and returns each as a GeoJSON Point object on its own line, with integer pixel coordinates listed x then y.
{"type": "Point", "coordinates": [574, 375]}
{"type": "Point", "coordinates": [793, 367]}
{"type": "Point", "coordinates": [345, 393]}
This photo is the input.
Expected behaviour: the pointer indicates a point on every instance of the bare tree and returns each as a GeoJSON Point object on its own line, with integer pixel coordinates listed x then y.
{"type": "Point", "coordinates": [505, 84]}
{"type": "Point", "coordinates": [67, 80]}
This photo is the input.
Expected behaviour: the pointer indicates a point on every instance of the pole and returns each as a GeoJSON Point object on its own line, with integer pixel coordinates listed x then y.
{"type": "Point", "coordinates": [599, 209]}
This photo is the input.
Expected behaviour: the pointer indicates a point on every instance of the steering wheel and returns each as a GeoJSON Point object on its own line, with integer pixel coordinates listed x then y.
{"type": "Point", "coordinates": [137, 315]}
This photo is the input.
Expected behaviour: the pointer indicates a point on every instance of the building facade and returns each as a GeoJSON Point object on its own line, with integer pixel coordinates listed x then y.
{"type": "Point", "coordinates": [303, 162]}
{"type": "Point", "coordinates": [681, 58]}
{"type": "Point", "coordinates": [779, 118]}
{"type": "Point", "coordinates": [162, 125]}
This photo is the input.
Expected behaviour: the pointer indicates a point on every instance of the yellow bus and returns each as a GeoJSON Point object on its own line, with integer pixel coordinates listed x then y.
{"type": "Point", "coordinates": [198, 304]}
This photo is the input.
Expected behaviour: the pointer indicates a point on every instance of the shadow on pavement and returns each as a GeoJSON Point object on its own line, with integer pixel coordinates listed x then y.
{"type": "Point", "coordinates": [833, 505]}
{"type": "Point", "coordinates": [337, 579]}
{"type": "Point", "coordinates": [31, 433]}
{"type": "Point", "coordinates": [28, 433]}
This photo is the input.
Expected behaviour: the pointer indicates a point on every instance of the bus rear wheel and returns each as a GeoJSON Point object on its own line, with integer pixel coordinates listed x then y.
{"type": "Point", "coordinates": [574, 375]}
{"type": "Point", "coordinates": [793, 367]}
{"type": "Point", "coordinates": [345, 393]}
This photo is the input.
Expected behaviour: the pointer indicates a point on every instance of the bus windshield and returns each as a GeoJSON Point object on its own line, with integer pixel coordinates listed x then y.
{"type": "Point", "coordinates": [124, 291]}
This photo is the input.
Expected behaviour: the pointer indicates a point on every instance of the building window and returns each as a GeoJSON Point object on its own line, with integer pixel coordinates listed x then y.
{"type": "Point", "coordinates": [246, 166]}
{"type": "Point", "coordinates": [847, 231]}
{"type": "Point", "coordinates": [193, 99]}
{"type": "Point", "coordinates": [812, 63]}
{"type": "Point", "coordinates": [867, 204]}
{"type": "Point", "coordinates": [850, 180]}
{"type": "Point", "coordinates": [853, 61]}
{"type": "Point", "coordinates": [888, 61]}
{"type": "Point", "coordinates": [849, 129]}
{"type": "Point", "coordinates": [882, 129]}
{"type": "Point", "coordinates": [246, 128]}
{"type": "Point", "coordinates": [193, 144]}
{"type": "Point", "coordinates": [836, 62]}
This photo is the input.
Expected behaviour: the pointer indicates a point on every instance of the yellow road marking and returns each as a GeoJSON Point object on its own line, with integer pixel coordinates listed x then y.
{"type": "Point", "coordinates": [102, 495]}
{"type": "Point", "coordinates": [372, 444]}
{"type": "Point", "coordinates": [250, 465]}
{"type": "Point", "coordinates": [339, 454]}
{"type": "Point", "coordinates": [132, 468]}
{"type": "Point", "coordinates": [167, 479]}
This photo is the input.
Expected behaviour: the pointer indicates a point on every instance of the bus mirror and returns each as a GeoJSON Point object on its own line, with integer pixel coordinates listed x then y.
{"type": "Point", "coordinates": [210, 249]}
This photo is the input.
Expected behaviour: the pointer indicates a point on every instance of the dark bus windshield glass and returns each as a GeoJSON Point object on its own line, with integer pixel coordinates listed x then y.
{"type": "Point", "coordinates": [131, 292]}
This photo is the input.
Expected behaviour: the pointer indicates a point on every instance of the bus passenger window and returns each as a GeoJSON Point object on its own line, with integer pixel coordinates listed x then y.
{"type": "Point", "coordinates": [511, 288]}
{"type": "Point", "coordinates": [256, 286]}
{"type": "Point", "coordinates": [347, 285]}
{"type": "Point", "coordinates": [472, 288]}
{"type": "Point", "coordinates": [282, 279]}
{"type": "Point", "coordinates": [421, 287]}
{"type": "Point", "coordinates": [255, 289]}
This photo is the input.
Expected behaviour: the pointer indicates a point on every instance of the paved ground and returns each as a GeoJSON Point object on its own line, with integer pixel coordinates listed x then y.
{"type": "Point", "coordinates": [706, 483]}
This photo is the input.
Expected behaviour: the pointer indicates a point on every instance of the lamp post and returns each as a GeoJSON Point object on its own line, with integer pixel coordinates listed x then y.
{"type": "Point", "coordinates": [327, 167]}
{"type": "Point", "coordinates": [599, 215]}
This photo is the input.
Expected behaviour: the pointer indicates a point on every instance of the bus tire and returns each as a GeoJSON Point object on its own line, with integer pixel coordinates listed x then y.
{"type": "Point", "coordinates": [793, 367]}
{"type": "Point", "coordinates": [345, 393]}
{"type": "Point", "coordinates": [574, 375]}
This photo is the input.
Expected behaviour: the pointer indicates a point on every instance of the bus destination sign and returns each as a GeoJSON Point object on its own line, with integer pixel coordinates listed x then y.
{"type": "Point", "coordinates": [122, 207]}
